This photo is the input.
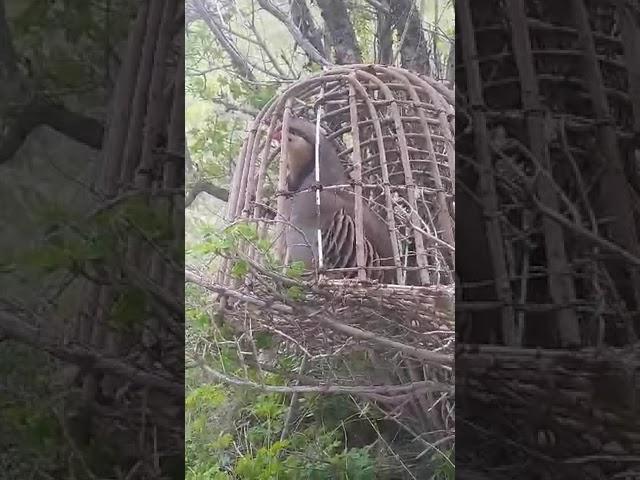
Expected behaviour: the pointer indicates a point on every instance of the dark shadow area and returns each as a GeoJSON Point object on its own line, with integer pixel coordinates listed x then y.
{"type": "Point", "coordinates": [547, 191]}
{"type": "Point", "coordinates": [92, 242]}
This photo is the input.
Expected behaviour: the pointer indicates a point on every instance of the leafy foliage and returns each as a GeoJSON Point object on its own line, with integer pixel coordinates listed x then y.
{"type": "Point", "coordinates": [232, 432]}
{"type": "Point", "coordinates": [445, 467]}
{"type": "Point", "coordinates": [74, 34]}
{"type": "Point", "coordinates": [214, 131]}
{"type": "Point", "coordinates": [225, 243]}
{"type": "Point", "coordinates": [237, 435]}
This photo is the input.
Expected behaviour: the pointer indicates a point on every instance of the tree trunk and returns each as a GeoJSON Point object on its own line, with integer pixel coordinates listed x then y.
{"type": "Point", "coordinates": [343, 37]}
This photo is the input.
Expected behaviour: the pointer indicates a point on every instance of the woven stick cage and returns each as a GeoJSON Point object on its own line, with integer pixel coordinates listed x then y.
{"type": "Point", "coordinates": [395, 133]}
{"type": "Point", "coordinates": [549, 115]}
{"type": "Point", "coordinates": [556, 178]}
{"type": "Point", "coordinates": [143, 156]}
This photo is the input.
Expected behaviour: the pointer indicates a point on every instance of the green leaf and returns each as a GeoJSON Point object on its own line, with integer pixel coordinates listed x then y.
{"type": "Point", "coordinates": [206, 396]}
{"type": "Point", "coordinates": [224, 440]}
{"type": "Point", "coordinates": [213, 245]}
{"type": "Point", "coordinates": [245, 231]}
{"type": "Point", "coordinates": [268, 407]}
{"type": "Point", "coordinates": [295, 293]}
{"type": "Point", "coordinates": [263, 340]}
{"type": "Point", "coordinates": [264, 245]}
{"type": "Point", "coordinates": [295, 269]}
{"type": "Point", "coordinates": [239, 269]}
{"type": "Point", "coordinates": [68, 73]}
{"type": "Point", "coordinates": [100, 246]}
{"type": "Point", "coordinates": [199, 318]}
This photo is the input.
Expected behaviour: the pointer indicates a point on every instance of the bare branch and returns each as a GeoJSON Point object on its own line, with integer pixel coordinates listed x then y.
{"type": "Point", "coordinates": [414, 387]}
{"type": "Point", "coordinates": [303, 19]}
{"type": "Point", "coordinates": [384, 34]}
{"type": "Point", "coordinates": [19, 123]}
{"type": "Point", "coordinates": [81, 128]}
{"type": "Point", "coordinates": [204, 186]}
{"type": "Point", "coordinates": [425, 355]}
{"type": "Point", "coordinates": [343, 36]}
{"type": "Point", "coordinates": [240, 63]}
{"type": "Point", "coordinates": [323, 316]}
{"type": "Point", "coordinates": [379, 5]}
{"type": "Point", "coordinates": [311, 51]}
{"type": "Point", "coordinates": [11, 326]}
{"type": "Point", "coordinates": [587, 234]}
{"type": "Point", "coordinates": [198, 279]}
{"type": "Point", "coordinates": [259, 41]}
{"type": "Point", "coordinates": [234, 107]}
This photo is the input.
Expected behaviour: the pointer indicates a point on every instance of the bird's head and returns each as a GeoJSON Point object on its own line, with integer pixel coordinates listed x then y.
{"type": "Point", "coordinates": [301, 152]}
{"type": "Point", "coordinates": [301, 155]}
{"type": "Point", "coordinates": [301, 139]}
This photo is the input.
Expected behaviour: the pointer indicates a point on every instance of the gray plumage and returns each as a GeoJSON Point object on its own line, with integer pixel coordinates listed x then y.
{"type": "Point", "coordinates": [337, 210]}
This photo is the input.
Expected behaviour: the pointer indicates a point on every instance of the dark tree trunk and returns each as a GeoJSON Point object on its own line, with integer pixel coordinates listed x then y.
{"type": "Point", "coordinates": [414, 50]}
{"type": "Point", "coordinates": [385, 38]}
{"type": "Point", "coordinates": [343, 36]}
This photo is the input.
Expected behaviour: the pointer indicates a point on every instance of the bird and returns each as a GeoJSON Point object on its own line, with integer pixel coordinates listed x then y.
{"type": "Point", "coordinates": [302, 139]}
{"type": "Point", "coordinates": [337, 209]}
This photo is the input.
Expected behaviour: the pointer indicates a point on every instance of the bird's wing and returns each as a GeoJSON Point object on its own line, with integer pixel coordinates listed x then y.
{"type": "Point", "coordinates": [337, 222]}
{"type": "Point", "coordinates": [339, 245]}
{"type": "Point", "coordinates": [338, 242]}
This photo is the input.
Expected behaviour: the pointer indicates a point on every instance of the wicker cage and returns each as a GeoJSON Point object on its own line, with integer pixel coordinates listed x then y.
{"type": "Point", "coordinates": [400, 158]}
{"type": "Point", "coordinates": [546, 154]}
{"type": "Point", "coordinates": [395, 133]}
{"type": "Point", "coordinates": [547, 193]}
